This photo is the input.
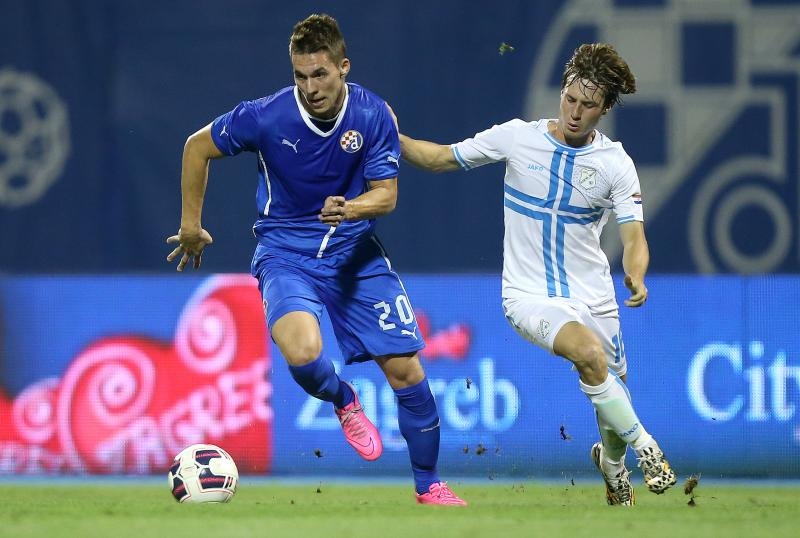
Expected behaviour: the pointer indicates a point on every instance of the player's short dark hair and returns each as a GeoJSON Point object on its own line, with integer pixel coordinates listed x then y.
{"type": "Point", "coordinates": [600, 64]}
{"type": "Point", "coordinates": [318, 32]}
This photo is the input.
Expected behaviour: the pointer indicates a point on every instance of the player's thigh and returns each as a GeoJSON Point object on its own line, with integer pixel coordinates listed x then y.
{"type": "Point", "coordinates": [576, 342]}
{"type": "Point", "coordinates": [371, 313]}
{"type": "Point", "coordinates": [297, 335]}
{"type": "Point", "coordinates": [539, 319]}
{"type": "Point", "coordinates": [291, 304]}
{"type": "Point", "coordinates": [608, 331]}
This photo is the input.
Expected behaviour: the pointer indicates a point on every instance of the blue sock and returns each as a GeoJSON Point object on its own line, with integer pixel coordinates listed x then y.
{"type": "Point", "coordinates": [419, 425]}
{"type": "Point", "coordinates": [319, 379]}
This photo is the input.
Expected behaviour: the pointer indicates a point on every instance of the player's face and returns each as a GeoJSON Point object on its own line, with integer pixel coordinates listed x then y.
{"type": "Point", "coordinates": [581, 109]}
{"type": "Point", "coordinates": [321, 82]}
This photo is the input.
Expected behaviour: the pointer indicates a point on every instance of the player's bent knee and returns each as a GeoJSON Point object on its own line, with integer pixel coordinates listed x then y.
{"type": "Point", "coordinates": [401, 371]}
{"type": "Point", "coordinates": [589, 357]}
{"type": "Point", "coordinates": [300, 353]}
{"type": "Point", "coordinates": [299, 348]}
{"type": "Point", "coordinates": [297, 336]}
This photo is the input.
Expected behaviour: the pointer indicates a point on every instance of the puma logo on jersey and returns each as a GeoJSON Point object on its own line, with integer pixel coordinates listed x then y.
{"type": "Point", "coordinates": [293, 146]}
{"type": "Point", "coordinates": [392, 159]}
{"type": "Point", "coordinates": [409, 333]}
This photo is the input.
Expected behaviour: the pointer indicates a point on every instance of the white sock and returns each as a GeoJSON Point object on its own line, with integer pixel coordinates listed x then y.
{"type": "Point", "coordinates": [614, 449]}
{"type": "Point", "coordinates": [614, 410]}
{"type": "Point", "coordinates": [611, 467]}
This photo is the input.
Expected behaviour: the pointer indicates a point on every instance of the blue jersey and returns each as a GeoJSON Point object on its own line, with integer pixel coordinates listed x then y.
{"type": "Point", "coordinates": [299, 165]}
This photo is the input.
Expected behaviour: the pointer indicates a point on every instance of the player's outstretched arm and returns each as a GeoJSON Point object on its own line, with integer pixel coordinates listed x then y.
{"type": "Point", "coordinates": [635, 259]}
{"type": "Point", "coordinates": [427, 155]}
{"type": "Point", "coordinates": [191, 238]}
{"type": "Point", "coordinates": [379, 200]}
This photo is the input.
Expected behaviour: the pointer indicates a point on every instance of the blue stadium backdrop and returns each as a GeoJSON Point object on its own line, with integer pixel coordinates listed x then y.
{"type": "Point", "coordinates": [116, 374]}
{"type": "Point", "coordinates": [97, 99]}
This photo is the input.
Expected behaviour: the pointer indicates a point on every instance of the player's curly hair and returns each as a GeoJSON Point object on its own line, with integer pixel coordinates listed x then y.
{"type": "Point", "coordinates": [600, 64]}
{"type": "Point", "coordinates": [318, 32]}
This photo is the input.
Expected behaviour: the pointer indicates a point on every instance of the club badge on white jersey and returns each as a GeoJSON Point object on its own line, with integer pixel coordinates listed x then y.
{"type": "Point", "coordinates": [588, 178]}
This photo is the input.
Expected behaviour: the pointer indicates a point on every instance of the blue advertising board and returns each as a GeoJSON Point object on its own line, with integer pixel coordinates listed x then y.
{"type": "Point", "coordinates": [714, 371]}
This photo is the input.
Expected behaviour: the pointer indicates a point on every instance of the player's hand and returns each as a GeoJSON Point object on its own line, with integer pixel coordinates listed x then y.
{"type": "Point", "coordinates": [638, 291]}
{"type": "Point", "coordinates": [333, 211]}
{"type": "Point", "coordinates": [190, 245]}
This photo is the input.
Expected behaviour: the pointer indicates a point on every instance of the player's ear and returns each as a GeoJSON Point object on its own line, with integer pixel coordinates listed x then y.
{"type": "Point", "coordinates": [344, 68]}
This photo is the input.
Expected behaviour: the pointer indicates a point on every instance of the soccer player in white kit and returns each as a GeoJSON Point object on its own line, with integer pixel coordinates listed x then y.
{"type": "Point", "coordinates": [563, 178]}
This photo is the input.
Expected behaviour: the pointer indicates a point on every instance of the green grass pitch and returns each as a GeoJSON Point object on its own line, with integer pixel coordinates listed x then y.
{"type": "Point", "coordinates": [332, 509]}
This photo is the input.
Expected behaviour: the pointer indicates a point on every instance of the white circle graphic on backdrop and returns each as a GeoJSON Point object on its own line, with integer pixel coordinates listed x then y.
{"type": "Point", "coordinates": [34, 137]}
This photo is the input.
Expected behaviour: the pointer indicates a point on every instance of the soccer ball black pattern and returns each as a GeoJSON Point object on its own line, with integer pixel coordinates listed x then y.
{"type": "Point", "coordinates": [203, 474]}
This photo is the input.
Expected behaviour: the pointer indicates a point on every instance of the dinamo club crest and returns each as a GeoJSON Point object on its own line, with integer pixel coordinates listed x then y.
{"type": "Point", "coordinates": [351, 141]}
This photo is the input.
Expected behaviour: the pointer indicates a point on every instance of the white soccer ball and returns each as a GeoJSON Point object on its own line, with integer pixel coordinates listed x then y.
{"type": "Point", "coordinates": [203, 474]}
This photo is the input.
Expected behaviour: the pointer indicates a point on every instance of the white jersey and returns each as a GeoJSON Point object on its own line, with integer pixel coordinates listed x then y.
{"type": "Point", "coordinates": [557, 200]}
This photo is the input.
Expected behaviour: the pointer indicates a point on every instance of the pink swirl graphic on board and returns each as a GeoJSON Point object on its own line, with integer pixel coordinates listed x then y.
{"type": "Point", "coordinates": [34, 411]}
{"type": "Point", "coordinates": [206, 339]}
{"type": "Point", "coordinates": [128, 403]}
{"type": "Point", "coordinates": [103, 391]}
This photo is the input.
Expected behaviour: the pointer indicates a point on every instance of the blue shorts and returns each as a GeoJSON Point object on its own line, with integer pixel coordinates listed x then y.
{"type": "Point", "coordinates": [365, 299]}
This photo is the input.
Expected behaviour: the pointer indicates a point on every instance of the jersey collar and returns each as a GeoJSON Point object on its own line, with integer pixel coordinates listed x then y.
{"type": "Point", "coordinates": [307, 117]}
{"type": "Point", "coordinates": [566, 147]}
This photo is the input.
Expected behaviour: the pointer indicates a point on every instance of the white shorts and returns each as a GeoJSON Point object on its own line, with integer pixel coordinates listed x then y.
{"type": "Point", "coordinates": [538, 320]}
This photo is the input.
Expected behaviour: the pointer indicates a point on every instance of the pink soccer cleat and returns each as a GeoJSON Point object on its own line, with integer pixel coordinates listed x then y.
{"type": "Point", "coordinates": [358, 430]}
{"type": "Point", "coordinates": [439, 493]}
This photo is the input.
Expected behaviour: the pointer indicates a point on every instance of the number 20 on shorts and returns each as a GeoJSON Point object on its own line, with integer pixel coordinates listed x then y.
{"type": "Point", "coordinates": [403, 308]}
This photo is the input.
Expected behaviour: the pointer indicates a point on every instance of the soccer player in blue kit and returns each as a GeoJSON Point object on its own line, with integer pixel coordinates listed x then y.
{"type": "Point", "coordinates": [327, 153]}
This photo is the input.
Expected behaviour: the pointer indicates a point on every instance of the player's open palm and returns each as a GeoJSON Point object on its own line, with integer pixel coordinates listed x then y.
{"type": "Point", "coordinates": [638, 291]}
{"type": "Point", "coordinates": [190, 246]}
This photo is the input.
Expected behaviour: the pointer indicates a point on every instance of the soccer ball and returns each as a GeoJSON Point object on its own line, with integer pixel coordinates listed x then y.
{"type": "Point", "coordinates": [203, 474]}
